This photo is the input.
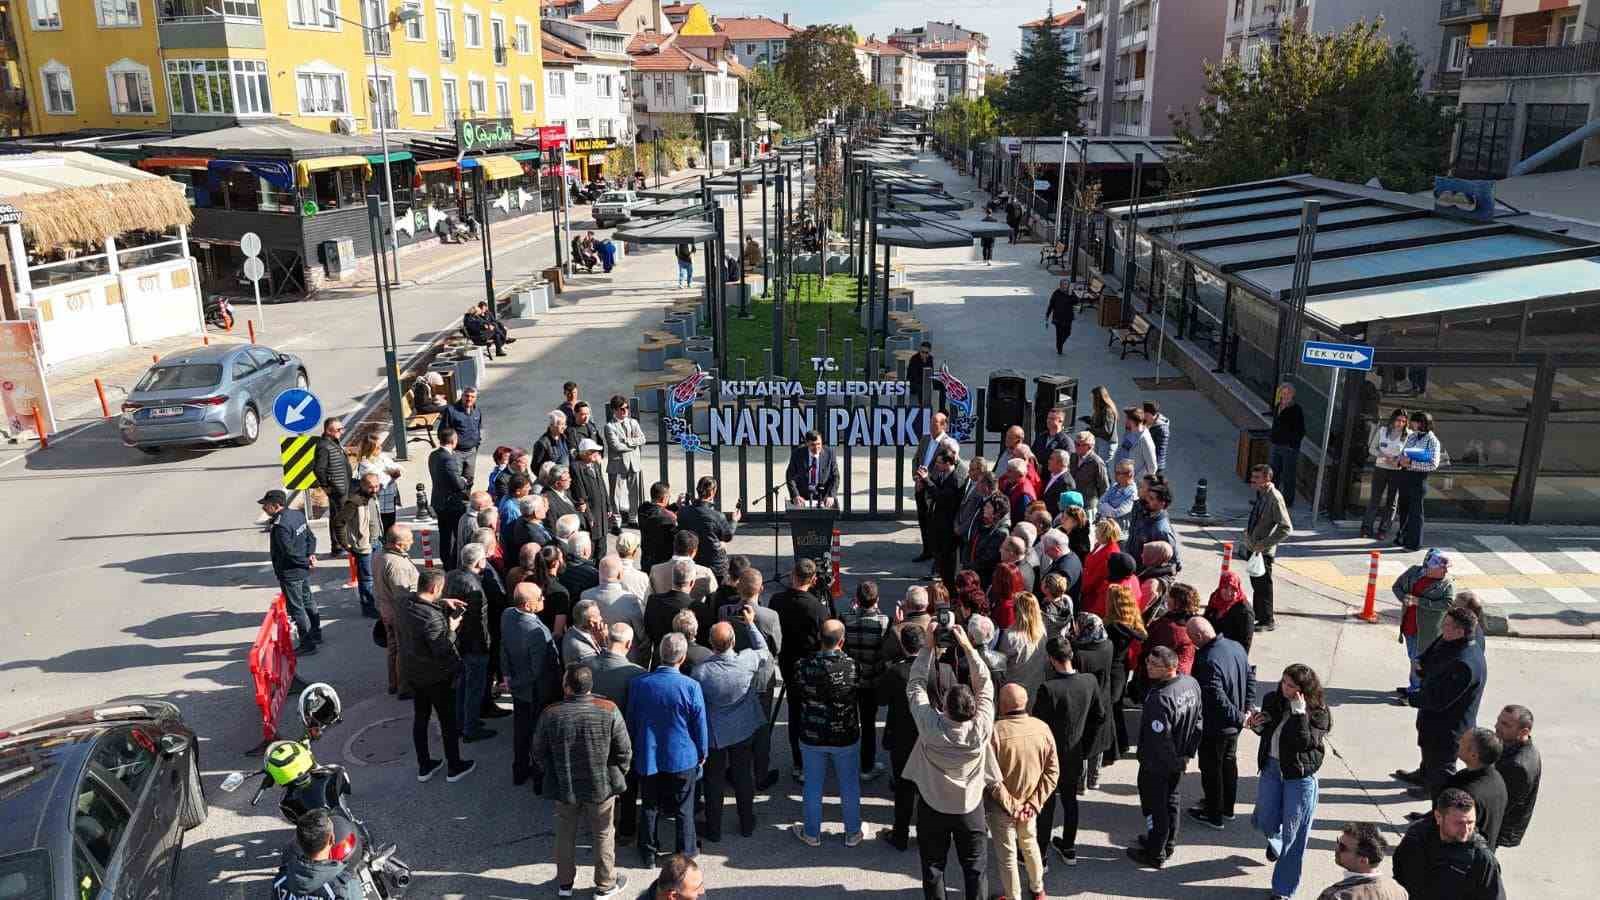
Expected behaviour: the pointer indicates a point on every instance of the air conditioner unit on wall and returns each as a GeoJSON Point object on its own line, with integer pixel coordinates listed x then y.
{"type": "Point", "coordinates": [345, 125]}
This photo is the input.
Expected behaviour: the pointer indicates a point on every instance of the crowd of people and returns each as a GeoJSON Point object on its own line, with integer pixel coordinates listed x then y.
{"type": "Point", "coordinates": [646, 668]}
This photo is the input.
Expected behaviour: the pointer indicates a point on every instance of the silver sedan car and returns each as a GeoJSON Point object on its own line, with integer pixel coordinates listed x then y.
{"type": "Point", "coordinates": [207, 395]}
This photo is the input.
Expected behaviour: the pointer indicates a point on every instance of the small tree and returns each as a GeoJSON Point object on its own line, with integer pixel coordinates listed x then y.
{"type": "Point", "coordinates": [768, 91]}
{"type": "Point", "coordinates": [1347, 106]}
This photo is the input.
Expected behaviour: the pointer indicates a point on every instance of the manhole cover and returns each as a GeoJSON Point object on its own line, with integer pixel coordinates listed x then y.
{"type": "Point", "coordinates": [382, 743]}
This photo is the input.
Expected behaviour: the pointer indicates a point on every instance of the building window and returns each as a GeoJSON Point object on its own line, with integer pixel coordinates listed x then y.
{"type": "Point", "coordinates": [580, 77]}
{"type": "Point", "coordinates": [473, 26]}
{"type": "Point", "coordinates": [452, 103]}
{"type": "Point", "coordinates": [528, 101]}
{"type": "Point", "coordinates": [584, 125]}
{"type": "Point", "coordinates": [606, 128]}
{"type": "Point", "coordinates": [1458, 54]}
{"type": "Point", "coordinates": [321, 93]}
{"type": "Point", "coordinates": [1569, 30]}
{"type": "Point", "coordinates": [46, 14]}
{"type": "Point", "coordinates": [421, 97]}
{"type": "Point", "coordinates": [478, 93]}
{"type": "Point", "coordinates": [380, 97]}
{"type": "Point", "coordinates": [1548, 123]}
{"type": "Point", "coordinates": [215, 87]}
{"type": "Point", "coordinates": [130, 89]}
{"type": "Point", "coordinates": [1483, 149]}
{"type": "Point", "coordinates": [524, 38]}
{"type": "Point", "coordinates": [447, 35]}
{"type": "Point", "coordinates": [749, 49]}
{"type": "Point", "coordinates": [502, 97]}
{"type": "Point", "coordinates": [118, 13]}
{"type": "Point", "coordinates": [314, 13]}
{"type": "Point", "coordinates": [414, 26]}
{"type": "Point", "coordinates": [602, 86]}
{"type": "Point", "coordinates": [556, 84]}
{"type": "Point", "coordinates": [58, 96]}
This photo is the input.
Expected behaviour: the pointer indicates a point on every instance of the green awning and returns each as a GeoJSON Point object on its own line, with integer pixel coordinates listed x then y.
{"type": "Point", "coordinates": [394, 156]}
{"type": "Point", "coordinates": [526, 154]}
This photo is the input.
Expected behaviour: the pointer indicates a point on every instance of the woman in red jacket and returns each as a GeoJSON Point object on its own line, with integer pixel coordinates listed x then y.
{"type": "Point", "coordinates": [1092, 593]}
{"type": "Point", "coordinates": [1171, 629]}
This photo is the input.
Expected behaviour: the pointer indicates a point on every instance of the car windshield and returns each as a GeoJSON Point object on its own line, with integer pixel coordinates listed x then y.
{"type": "Point", "coordinates": [614, 197]}
{"type": "Point", "coordinates": [177, 378]}
{"type": "Point", "coordinates": [26, 876]}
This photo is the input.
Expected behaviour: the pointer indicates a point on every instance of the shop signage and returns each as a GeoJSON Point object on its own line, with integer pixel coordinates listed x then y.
{"type": "Point", "coordinates": [22, 381]}
{"type": "Point", "coordinates": [592, 145]}
{"type": "Point", "coordinates": [483, 135]}
{"type": "Point", "coordinates": [10, 215]}
{"type": "Point", "coordinates": [552, 137]}
{"type": "Point", "coordinates": [784, 421]}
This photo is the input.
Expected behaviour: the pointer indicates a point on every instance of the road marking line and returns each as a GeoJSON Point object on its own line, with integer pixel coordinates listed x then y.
{"type": "Point", "coordinates": [1568, 380]}
{"type": "Point", "coordinates": [1470, 385]}
{"type": "Point", "coordinates": [1482, 492]}
{"type": "Point", "coordinates": [1508, 383]}
{"type": "Point", "coordinates": [1571, 595]}
{"type": "Point", "coordinates": [1518, 558]}
{"type": "Point", "coordinates": [1495, 596]}
{"type": "Point", "coordinates": [1588, 559]}
{"type": "Point", "coordinates": [1461, 564]}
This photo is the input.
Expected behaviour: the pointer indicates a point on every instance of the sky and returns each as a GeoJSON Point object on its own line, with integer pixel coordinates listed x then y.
{"type": "Point", "coordinates": [999, 19]}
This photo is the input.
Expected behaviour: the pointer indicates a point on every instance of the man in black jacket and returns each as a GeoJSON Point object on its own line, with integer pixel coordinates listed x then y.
{"type": "Point", "coordinates": [988, 536]}
{"type": "Point", "coordinates": [1479, 751]}
{"type": "Point", "coordinates": [800, 615]}
{"type": "Point", "coordinates": [713, 528]}
{"type": "Point", "coordinates": [658, 522]}
{"type": "Point", "coordinates": [554, 445]}
{"type": "Point", "coordinates": [472, 644]}
{"type": "Point", "coordinates": [450, 487]}
{"type": "Point", "coordinates": [426, 625]}
{"type": "Point", "coordinates": [590, 495]}
{"type": "Point", "coordinates": [1520, 768]}
{"type": "Point", "coordinates": [1227, 689]}
{"type": "Point", "coordinates": [1169, 735]}
{"type": "Point", "coordinates": [942, 492]}
{"type": "Point", "coordinates": [1058, 312]}
{"type": "Point", "coordinates": [1069, 702]}
{"type": "Point", "coordinates": [483, 332]}
{"type": "Point", "coordinates": [332, 467]}
{"type": "Point", "coordinates": [309, 870]}
{"type": "Point", "coordinates": [660, 609]}
{"type": "Point", "coordinates": [830, 732]}
{"type": "Point", "coordinates": [1443, 857]}
{"type": "Point", "coordinates": [1454, 674]}
{"type": "Point", "coordinates": [294, 552]}
{"type": "Point", "coordinates": [900, 728]}
{"type": "Point", "coordinates": [812, 477]}
{"type": "Point", "coordinates": [467, 419]}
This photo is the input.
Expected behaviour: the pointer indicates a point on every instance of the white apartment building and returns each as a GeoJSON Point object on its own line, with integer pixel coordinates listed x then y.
{"type": "Point", "coordinates": [669, 80]}
{"type": "Point", "coordinates": [756, 40]}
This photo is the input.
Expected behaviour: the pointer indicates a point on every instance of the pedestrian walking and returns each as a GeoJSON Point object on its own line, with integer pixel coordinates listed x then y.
{"type": "Point", "coordinates": [1058, 314]}
{"type": "Point", "coordinates": [666, 718]}
{"type": "Point", "coordinates": [1385, 447]}
{"type": "Point", "coordinates": [529, 659]}
{"type": "Point", "coordinates": [1227, 694]}
{"type": "Point", "coordinates": [1073, 705]}
{"type": "Point", "coordinates": [331, 466]}
{"type": "Point", "coordinates": [732, 682]}
{"type": "Point", "coordinates": [292, 546]}
{"type": "Point", "coordinates": [624, 465]}
{"type": "Point", "coordinates": [1169, 736]}
{"type": "Point", "coordinates": [430, 666]}
{"type": "Point", "coordinates": [1360, 851]}
{"type": "Point", "coordinates": [1293, 723]}
{"type": "Point", "coordinates": [1420, 456]}
{"type": "Point", "coordinates": [581, 748]}
{"type": "Point", "coordinates": [1520, 768]}
{"type": "Point", "coordinates": [1026, 756]}
{"type": "Point", "coordinates": [685, 255]}
{"type": "Point", "coordinates": [1268, 524]}
{"type": "Point", "coordinates": [1288, 432]}
{"type": "Point", "coordinates": [951, 764]}
{"type": "Point", "coordinates": [825, 685]}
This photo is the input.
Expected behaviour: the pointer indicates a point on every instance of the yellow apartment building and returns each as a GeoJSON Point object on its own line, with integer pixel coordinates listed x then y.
{"type": "Point", "coordinates": [196, 65]}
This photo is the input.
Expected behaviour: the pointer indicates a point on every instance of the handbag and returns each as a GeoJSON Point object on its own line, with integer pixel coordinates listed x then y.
{"type": "Point", "coordinates": [1256, 565]}
{"type": "Point", "coordinates": [380, 634]}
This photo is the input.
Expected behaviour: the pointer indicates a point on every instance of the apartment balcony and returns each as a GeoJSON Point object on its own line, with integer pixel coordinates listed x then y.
{"type": "Point", "coordinates": [1445, 83]}
{"type": "Point", "coordinates": [1533, 62]}
{"type": "Point", "coordinates": [1090, 23]}
{"type": "Point", "coordinates": [1093, 56]}
{"type": "Point", "coordinates": [447, 50]}
{"type": "Point", "coordinates": [1457, 12]}
{"type": "Point", "coordinates": [1264, 19]}
{"type": "Point", "coordinates": [376, 42]}
{"type": "Point", "coordinates": [196, 24]}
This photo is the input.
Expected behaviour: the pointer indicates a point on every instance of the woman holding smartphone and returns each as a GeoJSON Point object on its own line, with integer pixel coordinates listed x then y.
{"type": "Point", "coordinates": [1293, 722]}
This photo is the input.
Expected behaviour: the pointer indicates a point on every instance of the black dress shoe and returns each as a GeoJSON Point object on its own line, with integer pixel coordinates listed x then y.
{"type": "Point", "coordinates": [1412, 777]}
{"type": "Point", "coordinates": [1415, 816]}
{"type": "Point", "coordinates": [1145, 858]}
{"type": "Point", "coordinates": [482, 734]}
{"type": "Point", "coordinates": [768, 780]}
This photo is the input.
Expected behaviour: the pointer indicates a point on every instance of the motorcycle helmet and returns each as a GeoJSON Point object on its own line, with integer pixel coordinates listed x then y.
{"type": "Point", "coordinates": [319, 706]}
{"type": "Point", "coordinates": [288, 762]}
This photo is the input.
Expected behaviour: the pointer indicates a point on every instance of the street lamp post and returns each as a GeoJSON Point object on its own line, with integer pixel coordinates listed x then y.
{"type": "Point", "coordinates": [401, 16]}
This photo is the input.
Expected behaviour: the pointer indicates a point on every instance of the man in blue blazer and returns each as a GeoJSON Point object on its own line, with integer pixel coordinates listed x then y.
{"type": "Point", "coordinates": [667, 724]}
{"type": "Point", "coordinates": [812, 475]}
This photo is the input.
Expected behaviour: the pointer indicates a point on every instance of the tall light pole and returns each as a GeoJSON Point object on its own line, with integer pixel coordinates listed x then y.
{"type": "Point", "coordinates": [1061, 186]}
{"type": "Point", "coordinates": [369, 34]}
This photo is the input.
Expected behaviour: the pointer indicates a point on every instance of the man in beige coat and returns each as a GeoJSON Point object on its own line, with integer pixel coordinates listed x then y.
{"type": "Point", "coordinates": [1266, 527]}
{"type": "Point", "coordinates": [1025, 752]}
{"type": "Point", "coordinates": [394, 578]}
{"type": "Point", "coordinates": [1360, 852]}
{"type": "Point", "coordinates": [952, 765]}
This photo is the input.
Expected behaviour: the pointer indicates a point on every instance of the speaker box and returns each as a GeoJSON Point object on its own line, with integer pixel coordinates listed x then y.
{"type": "Point", "coordinates": [1050, 391]}
{"type": "Point", "coordinates": [1007, 401]}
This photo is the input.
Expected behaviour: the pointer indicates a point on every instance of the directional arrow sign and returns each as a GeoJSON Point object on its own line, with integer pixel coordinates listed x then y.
{"type": "Point", "coordinates": [1337, 356]}
{"type": "Point", "coordinates": [297, 410]}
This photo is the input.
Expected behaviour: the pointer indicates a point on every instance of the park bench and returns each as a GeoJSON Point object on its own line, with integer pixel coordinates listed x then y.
{"type": "Point", "coordinates": [419, 426]}
{"type": "Point", "coordinates": [1136, 336]}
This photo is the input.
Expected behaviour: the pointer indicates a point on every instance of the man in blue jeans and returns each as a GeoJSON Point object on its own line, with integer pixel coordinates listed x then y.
{"type": "Point", "coordinates": [830, 731]}
{"type": "Point", "coordinates": [685, 254]}
{"type": "Point", "coordinates": [472, 643]}
{"type": "Point", "coordinates": [293, 547]}
{"type": "Point", "coordinates": [667, 722]}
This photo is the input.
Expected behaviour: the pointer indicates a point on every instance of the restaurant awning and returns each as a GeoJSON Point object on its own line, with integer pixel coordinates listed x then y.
{"type": "Point", "coordinates": [534, 155]}
{"type": "Point", "coordinates": [305, 167]}
{"type": "Point", "coordinates": [494, 167]}
{"type": "Point", "coordinates": [436, 165]}
{"type": "Point", "coordinates": [175, 162]}
{"type": "Point", "coordinates": [74, 197]}
{"type": "Point", "coordinates": [394, 156]}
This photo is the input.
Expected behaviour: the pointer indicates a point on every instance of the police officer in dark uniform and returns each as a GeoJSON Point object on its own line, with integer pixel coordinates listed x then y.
{"type": "Point", "coordinates": [294, 552]}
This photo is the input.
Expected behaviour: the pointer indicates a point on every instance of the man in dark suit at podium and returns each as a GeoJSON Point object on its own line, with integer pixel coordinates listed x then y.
{"type": "Point", "coordinates": [812, 476]}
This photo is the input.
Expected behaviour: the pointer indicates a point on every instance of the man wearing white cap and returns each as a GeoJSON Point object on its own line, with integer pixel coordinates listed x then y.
{"type": "Point", "coordinates": [589, 493]}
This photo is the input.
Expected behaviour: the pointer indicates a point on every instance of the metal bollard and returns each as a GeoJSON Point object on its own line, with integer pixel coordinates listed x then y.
{"type": "Point", "coordinates": [1199, 508]}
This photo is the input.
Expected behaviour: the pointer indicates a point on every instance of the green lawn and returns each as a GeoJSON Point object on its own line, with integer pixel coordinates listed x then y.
{"type": "Point", "coordinates": [750, 337]}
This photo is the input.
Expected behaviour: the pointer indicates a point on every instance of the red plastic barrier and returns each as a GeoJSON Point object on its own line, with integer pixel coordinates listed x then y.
{"type": "Point", "coordinates": [272, 666]}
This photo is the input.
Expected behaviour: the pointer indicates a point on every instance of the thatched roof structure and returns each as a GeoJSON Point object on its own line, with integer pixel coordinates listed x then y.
{"type": "Point", "coordinates": [75, 197]}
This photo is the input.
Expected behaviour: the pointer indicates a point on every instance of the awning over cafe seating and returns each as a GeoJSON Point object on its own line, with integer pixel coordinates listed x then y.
{"type": "Point", "coordinates": [305, 167]}
{"type": "Point", "coordinates": [276, 172]}
{"type": "Point", "coordinates": [494, 167]}
{"type": "Point", "coordinates": [437, 165]}
{"type": "Point", "coordinates": [175, 162]}
{"type": "Point", "coordinates": [394, 156]}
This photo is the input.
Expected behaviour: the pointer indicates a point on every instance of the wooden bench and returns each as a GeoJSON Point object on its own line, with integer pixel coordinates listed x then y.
{"type": "Point", "coordinates": [1134, 337]}
{"type": "Point", "coordinates": [419, 426]}
{"type": "Point", "coordinates": [1091, 299]}
{"type": "Point", "coordinates": [1052, 255]}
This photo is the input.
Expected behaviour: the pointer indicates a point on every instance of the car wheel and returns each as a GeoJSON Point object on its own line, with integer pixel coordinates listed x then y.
{"type": "Point", "coordinates": [193, 810]}
{"type": "Point", "coordinates": [252, 427]}
{"type": "Point", "coordinates": [301, 381]}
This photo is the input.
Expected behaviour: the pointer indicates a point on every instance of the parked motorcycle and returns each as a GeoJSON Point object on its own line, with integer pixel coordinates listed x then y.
{"type": "Point", "coordinates": [309, 785]}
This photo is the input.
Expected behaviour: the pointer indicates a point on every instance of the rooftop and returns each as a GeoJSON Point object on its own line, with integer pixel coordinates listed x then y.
{"type": "Point", "coordinates": [604, 12]}
{"type": "Point", "coordinates": [560, 52]}
{"type": "Point", "coordinates": [753, 28]}
{"type": "Point", "coordinates": [881, 48]}
{"type": "Point", "coordinates": [1064, 20]}
{"type": "Point", "coordinates": [936, 48]}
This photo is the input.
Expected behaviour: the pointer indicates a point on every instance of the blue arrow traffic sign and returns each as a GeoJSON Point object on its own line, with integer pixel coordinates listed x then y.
{"type": "Point", "coordinates": [1337, 356]}
{"type": "Point", "coordinates": [297, 410]}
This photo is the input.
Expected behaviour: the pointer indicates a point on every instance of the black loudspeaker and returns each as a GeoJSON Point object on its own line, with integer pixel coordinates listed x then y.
{"type": "Point", "coordinates": [1050, 391]}
{"type": "Point", "coordinates": [1007, 402]}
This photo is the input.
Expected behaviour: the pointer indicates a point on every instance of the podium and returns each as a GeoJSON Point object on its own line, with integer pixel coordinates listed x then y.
{"type": "Point", "coordinates": [811, 533]}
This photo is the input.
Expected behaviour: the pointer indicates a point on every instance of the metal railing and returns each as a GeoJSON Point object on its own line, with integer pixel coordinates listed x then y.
{"type": "Point", "coordinates": [375, 41]}
{"type": "Point", "coordinates": [1468, 9]}
{"type": "Point", "coordinates": [185, 12]}
{"type": "Point", "coordinates": [447, 49]}
{"type": "Point", "coordinates": [1532, 62]}
{"type": "Point", "coordinates": [389, 117]}
{"type": "Point", "coordinates": [502, 54]}
{"type": "Point", "coordinates": [1447, 82]}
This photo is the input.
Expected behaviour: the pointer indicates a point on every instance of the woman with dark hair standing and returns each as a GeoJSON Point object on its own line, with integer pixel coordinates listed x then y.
{"type": "Point", "coordinates": [1102, 419]}
{"type": "Point", "coordinates": [1292, 722]}
{"type": "Point", "coordinates": [1125, 628]}
{"type": "Point", "coordinates": [1384, 447]}
{"type": "Point", "coordinates": [1419, 456]}
{"type": "Point", "coordinates": [557, 599]}
{"type": "Point", "coordinates": [1094, 653]}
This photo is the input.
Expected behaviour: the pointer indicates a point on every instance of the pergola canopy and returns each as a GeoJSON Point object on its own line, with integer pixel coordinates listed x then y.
{"type": "Point", "coordinates": [667, 231]}
{"type": "Point", "coordinates": [666, 209]}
